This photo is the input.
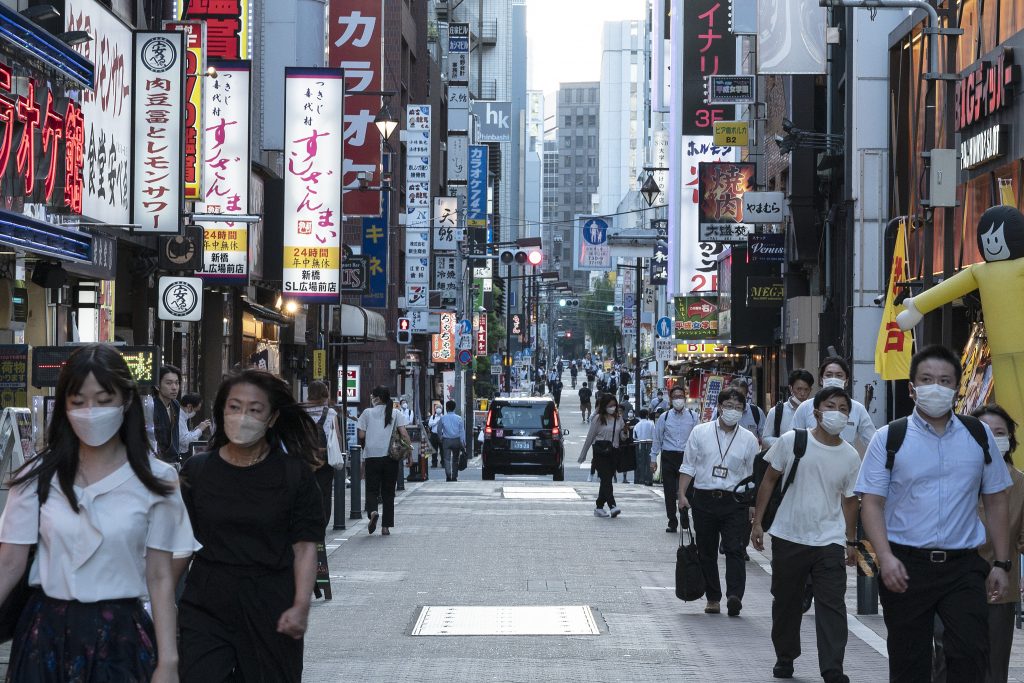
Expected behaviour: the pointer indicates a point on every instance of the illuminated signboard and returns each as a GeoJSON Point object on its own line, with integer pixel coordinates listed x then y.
{"type": "Point", "coordinates": [47, 362]}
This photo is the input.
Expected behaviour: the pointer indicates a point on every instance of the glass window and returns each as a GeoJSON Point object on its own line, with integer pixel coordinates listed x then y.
{"type": "Point", "coordinates": [592, 120]}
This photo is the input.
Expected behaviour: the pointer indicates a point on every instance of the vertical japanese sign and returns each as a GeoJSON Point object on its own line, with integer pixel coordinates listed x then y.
{"type": "Point", "coordinates": [442, 345]}
{"type": "Point", "coordinates": [375, 249]}
{"type": "Point", "coordinates": [106, 110]}
{"type": "Point", "coordinates": [446, 278]}
{"type": "Point", "coordinates": [226, 187]}
{"type": "Point", "coordinates": [228, 25]}
{"type": "Point", "coordinates": [698, 266]}
{"type": "Point", "coordinates": [708, 49]}
{"type": "Point", "coordinates": [13, 376]}
{"type": "Point", "coordinates": [894, 347]}
{"type": "Point", "coordinates": [480, 325]}
{"type": "Point", "coordinates": [159, 92]}
{"type": "Point", "coordinates": [659, 263]}
{"type": "Point", "coordinates": [476, 209]}
{"type": "Point", "coordinates": [312, 193]}
{"type": "Point", "coordinates": [720, 212]}
{"type": "Point", "coordinates": [417, 194]}
{"type": "Point", "coordinates": [355, 44]}
{"type": "Point", "coordinates": [195, 33]}
{"type": "Point", "coordinates": [446, 216]}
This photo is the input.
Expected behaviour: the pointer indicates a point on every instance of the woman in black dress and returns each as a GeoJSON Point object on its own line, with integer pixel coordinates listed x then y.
{"type": "Point", "coordinates": [256, 511]}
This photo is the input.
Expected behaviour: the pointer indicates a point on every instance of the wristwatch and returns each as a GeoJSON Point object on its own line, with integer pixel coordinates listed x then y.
{"type": "Point", "coordinates": [852, 544]}
{"type": "Point", "coordinates": [1005, 565]}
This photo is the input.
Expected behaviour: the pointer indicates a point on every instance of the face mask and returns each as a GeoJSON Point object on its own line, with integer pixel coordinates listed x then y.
{"type": "Point", "coordinates": [437, 412]}
{"type": "Point", "coordinates": [833, 382]}
{"type": "Point", "coordinates": [611, 410]}
{"type": "Point", "coordinates": [934, 400]}
{"type": "Point", "coordinates": [678, 403]}
{"type": "Point", "coordinates": [833, 421]}
{"type": "Point", "coordinates": [244, 430]}
{"type": "Point", "coordinates": [629, 415]}
{"type": "Point", "coordinates": [1003, 443]}
{"type": "Point", "coordinates": [404, 405]}
{"type": "Point", "coordinates": [795, 401]}
{"type": "Point", "coordinates": [96, 426]}
{"type": "Point", "coordinates": [730, 416]}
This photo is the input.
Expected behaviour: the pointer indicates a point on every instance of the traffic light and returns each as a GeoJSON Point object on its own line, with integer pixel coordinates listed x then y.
{"type": "Point", "coordinates": [404, 333]}
{"type": "Point", "coordinates": [571, 303]}
{"type": "Point", "coordinates": [533, 257]}
{"type": "Point", "coordinates": [568, 334]}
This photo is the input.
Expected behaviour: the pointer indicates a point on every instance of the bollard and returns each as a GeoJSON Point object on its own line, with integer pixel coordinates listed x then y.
{"type": "Point", "coordinates": [357, 483]}
{"type": "Point", "coordinates": [867, 586]}
{"type": "Point", "coordinates": [339, 496]}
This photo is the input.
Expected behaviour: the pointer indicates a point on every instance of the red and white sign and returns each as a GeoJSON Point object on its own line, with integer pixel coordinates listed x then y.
{"type": "Point", "coordinates": [356, 45]}
{"type": "Point", "coordinates": [195, 60]}
{"type": "Point", "coordinates": [481, 333]}
{"type": "Point", "coordinates": [227, 25]}
{"type": "Point", "coordinates": [159, 93]}
{"type": "Point", "coordinates": [442, 345]}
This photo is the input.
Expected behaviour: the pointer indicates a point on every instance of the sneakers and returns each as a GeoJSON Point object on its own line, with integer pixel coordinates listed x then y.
{"type": "Point", "coordinates": [615, 511]}
{"type": "Point", "coordinates": [782, 669]}
{"type": "Point", "coordinates": [734, 605]}
{"type": "Point", "coordinates": [601, 512]}
{"type": "Point", "coordinates": [712, 608]}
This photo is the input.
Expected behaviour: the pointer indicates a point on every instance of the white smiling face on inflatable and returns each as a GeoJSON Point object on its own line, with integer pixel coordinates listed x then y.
{"type": "Point", "coordinates": [993, 243]}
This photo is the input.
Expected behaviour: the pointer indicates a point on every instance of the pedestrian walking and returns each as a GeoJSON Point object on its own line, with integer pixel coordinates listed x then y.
{"type": "Point", "coordinates": [814, 531]}
{"type": "Point", "coordinates": [452, 430]}
{"type": "Point", "coordinates": [753, 418]}
{"type": "Point", "coordinates": [435, 438]}
{"type": "Point", "coordinates": [604, 435]}
{"type": "Point", "coordinates": [190, 407]}
{"type": "Point", "coordinates": [1002, 611]}
{"type": "Point", "coordinates": [919, 483]}
{"type": "Point", "coordinates": [835, 372]}
{"type": "Point", "coordinates": [585, 395]}
{"type": "Point", "coordinates": [328, 431]}
{"type": "Point", "coordinates": [780, 418]}
{"type": "Point", "coordinates": [717, 456]}
{"type": "Point", "coordinates": [107, 517]}
{"type": "Point", "coordinates": [167, 415]}
{"type": "Point", "coordinates": [556, 391]}
{"type": "Point", "coordinates": [574, 373]}
{"type": "Point", "coordinates": [658, 401]}
{"type": "Point", "coordinates": [375, 427]}
{"type": "Point", "coordinates": [258, 514]}
{"type": "Point", "coordinates": [643, 439]}
{"type": "Point", "coordinates": [671, 432]}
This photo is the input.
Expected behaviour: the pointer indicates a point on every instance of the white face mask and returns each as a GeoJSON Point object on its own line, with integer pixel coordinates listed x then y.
{"type": "Point", "coordinates": [795, 401]}
{"type": "Point", "coordinates": [96, 426]}
{"type": "Point", "coordinates": [244, 430]}
{"type": "Point", "coordinates": [611, 410]}
{"type": "Point", "coordinates": [1003, 443]}
{"type": "Point", "coordinates": [833, 382]}
{"type": "Point", "coordinates": [730, 416]}
{"type": "Point", "coordinates": [678, 403]}
{"type": "Point", "coordinates": [934, 400]}
{"type": "Point", "coordinates": [404, 405]}
{"type": "Point", "coordinates": [833, 421]}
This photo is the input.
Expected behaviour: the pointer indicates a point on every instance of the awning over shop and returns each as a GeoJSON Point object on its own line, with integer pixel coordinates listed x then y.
{"type": "Point", "coordinates": [361, 325]}
{"type": "Point", "coordinates": [35, 42]}
{"type": "Point", "coordinates": [38, 237]}
{"type": "Point", "coordinates": [265, 313]}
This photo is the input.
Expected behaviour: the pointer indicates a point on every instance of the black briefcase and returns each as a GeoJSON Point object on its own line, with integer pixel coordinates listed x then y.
{"type": "Point", "coordinates": [690, 584]}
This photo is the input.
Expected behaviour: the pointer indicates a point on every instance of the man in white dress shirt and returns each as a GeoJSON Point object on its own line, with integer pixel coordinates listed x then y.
{"type": "Point", "coordinates": [671, 431]}
{"type": "Point", "coordinates": [718, 456]}
{"type": "Point", "coordinates": [780, 417]}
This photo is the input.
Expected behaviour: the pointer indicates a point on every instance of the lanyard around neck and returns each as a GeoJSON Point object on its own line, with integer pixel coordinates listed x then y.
{"type": "Point", "coordinates": [720, 453]}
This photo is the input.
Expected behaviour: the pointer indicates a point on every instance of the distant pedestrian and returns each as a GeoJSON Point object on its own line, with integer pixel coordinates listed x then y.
{"type": "Point", "coordinates": [191, 404]}
{"type": "Point", "coordinates": [111, 519]}
{"type": "Point", "coordinates": [326, 420]}
{"type": "Point", "coordinates": [658, 401]}
{"type": "Point", "coordinates": [604, 435]}
{"type": "Point", "coordinates": [556, 391]}
{"type": "Point", "coordinates": [407, 411]}
{"type": "Point", "coordinates": [375, 427]}
{"type": "Point", "coordinates": [643, 438]}
{"type": "Point", "coordinates": [671, 432]}
{"type": "Point", "coordinates": [435, 438]}
{"type": "Point", "coordinates": [753, 418]}
{"type": "Point", "coordinates": [167, 417]}
{"type": "Point", "coordinates": [257, 512]}
{"type": "Point", "coordinates": [919, 510]}
{"type": "Point", "coordinates": [573, 373]}
{"type": "Point", "coordinates": [452, 430]}
{"type": "Point", "coordinates": [585, 395]}
{"type": "Point", "coordinates": [835, 372]}
{"type": "Point", "coordinates": [718, 455]}
{"type": "Point", "coordinates": [814, 531]}
{"type": "Point", "coordinates": [780, 417]}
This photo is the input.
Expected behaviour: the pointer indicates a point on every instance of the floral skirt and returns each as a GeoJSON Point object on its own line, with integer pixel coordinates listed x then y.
{"type": "Point", "coordinates": [64, 641]}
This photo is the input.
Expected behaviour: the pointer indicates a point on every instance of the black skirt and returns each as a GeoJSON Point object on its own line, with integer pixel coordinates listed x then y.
{"type": "Point", "coordinates": [65, 641]}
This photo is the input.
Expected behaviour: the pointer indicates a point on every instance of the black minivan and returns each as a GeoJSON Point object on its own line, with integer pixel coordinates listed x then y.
{"type": "Point", "coordinates": [523, 436]}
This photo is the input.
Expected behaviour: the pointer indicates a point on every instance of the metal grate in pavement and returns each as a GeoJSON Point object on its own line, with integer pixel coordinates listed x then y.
{"type": "Point", "coordinates": [540, 492]}
{"type": "Point", "coordinates": [572, 620]}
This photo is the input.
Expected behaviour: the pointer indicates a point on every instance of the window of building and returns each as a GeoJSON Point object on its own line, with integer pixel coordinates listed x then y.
{"type": "Point", "coordinates": [567, 120]}
{"type": "Point", "coordinates": [579, 120]}
{"type": "Point", "coordinates": [592, 120]}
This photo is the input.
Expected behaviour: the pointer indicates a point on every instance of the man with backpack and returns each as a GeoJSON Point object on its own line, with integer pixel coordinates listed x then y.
{"type": "Point", "coordinates": [671, 432]}
{"type": "Point", "coordinates": [753, 417]}
{"type": "Point", "coordinates": [780, 417]}
{"type": "Point", "coordinates": [920, 482]}
{"type": "Point", "coordinates": [585, 395]}
{"type": "Point", "coordinates": [814, 529]}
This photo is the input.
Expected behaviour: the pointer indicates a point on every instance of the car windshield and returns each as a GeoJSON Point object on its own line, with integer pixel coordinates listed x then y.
{"type": "Point", "coordinates": [523, 416]}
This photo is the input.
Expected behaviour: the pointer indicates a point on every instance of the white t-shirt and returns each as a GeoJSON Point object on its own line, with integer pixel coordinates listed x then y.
{"type": "Point", "coordinates": [99, 553]}
{"type": "Point", "coordinates": [377, 435]}
{"type": "Point", "coordinates": [812, 511]}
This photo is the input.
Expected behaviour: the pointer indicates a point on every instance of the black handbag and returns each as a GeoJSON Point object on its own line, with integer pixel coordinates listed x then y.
{"type": "Point", "coordinates": [463, 460]}
{"type": "Point", "coordinates": [690, 583]}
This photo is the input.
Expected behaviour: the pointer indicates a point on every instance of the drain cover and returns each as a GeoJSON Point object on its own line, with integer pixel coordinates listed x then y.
{"type": "Point", "coordinates": [573, 620]}
{"type": "Point", "coordinates": [541, 492]}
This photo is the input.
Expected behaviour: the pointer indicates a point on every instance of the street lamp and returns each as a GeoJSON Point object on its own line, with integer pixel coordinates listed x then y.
{"type": "Point", "coordinates": [650, 190]}
{"type": "Point", "coordinates": [385, 121]}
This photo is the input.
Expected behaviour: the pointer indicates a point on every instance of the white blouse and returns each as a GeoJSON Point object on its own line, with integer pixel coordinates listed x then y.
{"type": "Point", "coordinates": [99, 553]}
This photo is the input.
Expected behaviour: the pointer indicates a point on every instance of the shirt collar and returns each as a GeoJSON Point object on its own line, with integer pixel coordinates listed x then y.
{"type": "Point", "coordinates": [923, 424]}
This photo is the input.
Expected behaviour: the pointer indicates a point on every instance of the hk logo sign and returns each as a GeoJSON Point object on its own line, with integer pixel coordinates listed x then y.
{"type": "Point", "coordinates": [495, 121]}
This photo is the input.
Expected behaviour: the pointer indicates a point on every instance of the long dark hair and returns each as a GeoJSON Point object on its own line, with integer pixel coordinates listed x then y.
{"type": "Point", "coordinates": [602, 404]}
{"type": "Point", "coordinates": [383, 394]}
{"type": "Point", "coordinates": [1011, 424]}
{"type": "Point", "coordinates": [293, 430]}
{"type": "Point", "coordinates": [60, 456]}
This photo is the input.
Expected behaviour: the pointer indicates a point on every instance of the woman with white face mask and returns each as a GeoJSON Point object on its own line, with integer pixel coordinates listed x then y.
{"type": "Point", "coordinates": [108, 518]}
{"type": "Point", "coordinates": [835, 372]}
{"type": "Point", "coordinates": [604, 435]}
{"type": "Point", "coordinates": [1001, 611]}
{"type": "Point", "coordinates": [257, 511]}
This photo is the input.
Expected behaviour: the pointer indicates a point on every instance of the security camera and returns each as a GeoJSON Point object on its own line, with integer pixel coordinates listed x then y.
{"type": "Point", "coordinates": [879, 300]}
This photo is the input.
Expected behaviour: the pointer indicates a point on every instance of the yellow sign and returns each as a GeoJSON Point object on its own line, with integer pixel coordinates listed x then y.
{"type": "Point", "coordinates": [319, 364]}
{"type": "Point", "coordinates": [894, 346]}
{"type": "Point", "coordinates": [706, 349]}
{"type": "Point", "coordinates": [732, 133]}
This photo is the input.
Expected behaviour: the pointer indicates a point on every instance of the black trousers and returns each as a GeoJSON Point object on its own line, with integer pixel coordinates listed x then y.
{"type": "Point", "coordinates": [720, 521]}
{"type": "Point", "coordinates": [792, 565]}
{"type": "Point", "coordinates": [955, 590]}
{"type": "Point", "coordinates": [325, 482]}
{"type": "Point", "coordinates": [381, 478]}
{"type": "Point", "coordinates": [1000, 638]}
{"type": "Point", "coordinates": [670, 462]}
{"type": "Point", "coordinates": [605, 466]}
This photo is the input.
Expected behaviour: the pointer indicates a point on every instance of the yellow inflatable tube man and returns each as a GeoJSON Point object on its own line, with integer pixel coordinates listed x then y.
{"type": "Point", "coordinates": [1000, 281]}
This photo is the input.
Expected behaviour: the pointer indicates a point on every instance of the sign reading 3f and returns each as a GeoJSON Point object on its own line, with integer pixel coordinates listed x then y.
{"type": "Point", "coordinates": [494, 121]}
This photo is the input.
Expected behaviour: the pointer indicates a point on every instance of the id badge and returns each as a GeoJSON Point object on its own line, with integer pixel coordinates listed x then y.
{"type": "Point", "coordinates": [720, 472]}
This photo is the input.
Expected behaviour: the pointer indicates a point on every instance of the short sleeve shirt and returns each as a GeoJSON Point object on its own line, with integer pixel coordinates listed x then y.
{"type": "Point", "coordinates": [99, 553]}
{"type": "Point", "coordinates": [377, 435]}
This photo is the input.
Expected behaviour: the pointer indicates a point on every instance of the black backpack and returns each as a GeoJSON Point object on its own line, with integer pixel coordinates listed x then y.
{"type": "Point", "coordinates": [898, 432]}
{"type": "Point", "coordinates": [322, 435]}
{"type": "Point", "coordinates": [746, 491]}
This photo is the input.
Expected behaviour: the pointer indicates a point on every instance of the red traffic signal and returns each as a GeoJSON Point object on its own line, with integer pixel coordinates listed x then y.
{"type": "Point", "coordinates": [535, 257]}
{"type": "Point", "coordinates": [404, 325]}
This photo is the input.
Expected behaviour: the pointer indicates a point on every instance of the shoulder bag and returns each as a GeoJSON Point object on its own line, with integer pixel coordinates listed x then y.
{"type": "Point", "coordinates": [398, 447]}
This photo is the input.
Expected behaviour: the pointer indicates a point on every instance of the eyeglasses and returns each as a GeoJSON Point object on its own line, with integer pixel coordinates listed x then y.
{"type": "Point", "coordinates": [731, 406]}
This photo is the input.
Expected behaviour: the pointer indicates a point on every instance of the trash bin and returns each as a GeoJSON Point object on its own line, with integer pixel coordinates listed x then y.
{"type": "Point", "coordinates": [643, 474]}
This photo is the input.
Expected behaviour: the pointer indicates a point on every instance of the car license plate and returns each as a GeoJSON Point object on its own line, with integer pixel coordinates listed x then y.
{"type": "Point", "coordinates": [520, 445]}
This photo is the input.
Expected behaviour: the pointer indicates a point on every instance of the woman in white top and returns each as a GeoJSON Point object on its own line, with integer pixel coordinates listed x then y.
{"type": "Point", "coordinates": [834, 372]}
{"type": "Point", "coordinates": [108, 518]}
{"type": "Point", "coordinates": [435, 438]}
{"type": "Point", "coordinates": [375, 427]}
{"type": "Point", "coordinates": [604, 435]}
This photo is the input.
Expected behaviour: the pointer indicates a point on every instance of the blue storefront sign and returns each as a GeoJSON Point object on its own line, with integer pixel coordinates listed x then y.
{"type": "Point", "coordinates": [476, 202]}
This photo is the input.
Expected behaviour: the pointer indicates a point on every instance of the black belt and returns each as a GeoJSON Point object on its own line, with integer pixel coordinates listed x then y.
{"type": "Point", "coordinates": [714, 493]}
{"type": "Point", "coordinates": [936, 555]}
